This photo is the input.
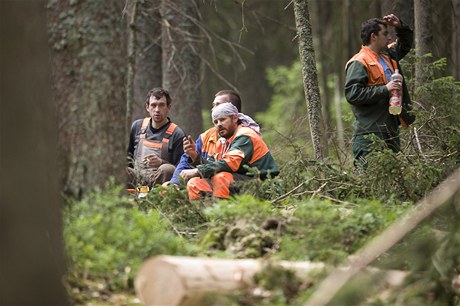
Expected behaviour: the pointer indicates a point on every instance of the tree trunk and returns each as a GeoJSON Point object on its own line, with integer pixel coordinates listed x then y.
{"type": "Point", "coordinates": [148, 54]}
{"type": "Point", "coordinates": [310, 78]}
{"type": "Point", "coordinates": [319, 18]}
{"type": "Point", "coordinates": [32, 266]}
{"type": "Point", "coordinates": [132, 17]}
{"type": "Point", "coordinates": [402, 8]}
{"type": "Point", "coordinates": [338, 116]}
{"type": "Point", "coordinates": [444, 34]}
{"type": "Point", "coordinates": [89, 61]}
{"type": "Point", "coordinates": [423, 36]}
{"type": "Point", "coordinates": [181, 62]}
{"type": "Point", "coordinates": [456, 39]}
{"type": "Point", "coordinates": [174, 281]}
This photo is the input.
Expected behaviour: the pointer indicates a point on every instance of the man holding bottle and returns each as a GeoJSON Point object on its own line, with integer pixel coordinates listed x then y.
{"type": "Point", "coordinates": [368, 85]}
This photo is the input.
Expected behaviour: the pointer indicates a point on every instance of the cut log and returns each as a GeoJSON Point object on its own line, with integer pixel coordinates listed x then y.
{"type": "Point", "coordinates": [174, 281]}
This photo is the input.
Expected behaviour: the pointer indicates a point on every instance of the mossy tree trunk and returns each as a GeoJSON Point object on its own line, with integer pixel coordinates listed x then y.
{"type": "Point", "coordinates": [181, 44]}
{"type": "Point", "coordinates": [89, 61]}
{"type": "Point", "coordinates": [309, 74]}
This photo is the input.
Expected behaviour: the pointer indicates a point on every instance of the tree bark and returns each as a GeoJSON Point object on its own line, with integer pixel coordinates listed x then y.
{"type": "Point", "coordinates": [456, 39]}
{"type": "Point", "coordinates": [181, 62]}
{"type": "Point", "coordinates": [423, 36]}
{"type": "Point", "coordinates": [89, 61]}
{"type": "Point", "coordinates": [173, 281]}
{"type": "Point", "coordinates": [132, 46]}
{"type": "Point", "coordinates": [32, 266]}
{"type": "Point", "coordinates": [148, 54]}
{"type": "Point", "coordinates": [309, 74]}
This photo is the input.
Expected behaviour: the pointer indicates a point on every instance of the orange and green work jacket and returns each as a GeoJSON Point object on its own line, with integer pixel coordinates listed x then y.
{"type": "Point", "coordinates": [244, 148]}
{"type": "Point", "coordinates": [365, 88]}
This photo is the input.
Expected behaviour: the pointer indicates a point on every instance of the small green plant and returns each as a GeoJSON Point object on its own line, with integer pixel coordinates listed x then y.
{"type": "Point", "coordinates": [107, 237]}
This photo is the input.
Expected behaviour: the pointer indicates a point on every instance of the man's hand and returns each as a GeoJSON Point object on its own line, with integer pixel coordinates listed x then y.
{"type": "Point", "coordinates": [152, 161]}
{"type": "Point", "coordinates": [190, 147]}
{"type": "Point", "coordinates": [392, 20]}
{"type": "Point", "coordinates": [189, 173]}
{"type": "Point", "coordinates": [394, 85]}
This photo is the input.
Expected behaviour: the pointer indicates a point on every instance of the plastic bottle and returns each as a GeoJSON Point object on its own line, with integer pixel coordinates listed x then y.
{"type": "Point", "coordinates": [395, 95]}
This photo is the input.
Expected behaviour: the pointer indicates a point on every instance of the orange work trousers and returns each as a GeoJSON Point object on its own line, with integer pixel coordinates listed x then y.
{"type": "Point", "coordinates": [218, 186]}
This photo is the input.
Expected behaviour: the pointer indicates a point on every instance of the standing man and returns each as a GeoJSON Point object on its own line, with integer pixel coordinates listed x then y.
{"type": "Point", "coordinates": [206, 143]}
{"type": "Point", "coordinates": [155, 143]}
{"type": "Point", "coordinates": [238, 149]}
{"type": "Point", "coordinates": [368, 85]}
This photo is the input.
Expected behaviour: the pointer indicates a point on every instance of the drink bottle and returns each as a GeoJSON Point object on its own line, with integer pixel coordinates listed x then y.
{"type": "Point", "coordinates": [395, 95]}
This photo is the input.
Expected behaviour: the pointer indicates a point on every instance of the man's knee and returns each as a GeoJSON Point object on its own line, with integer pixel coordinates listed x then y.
{"type": "Point", "coordinates": [167, 169]}
{"type": "Point", "coordinates": [198, 188]}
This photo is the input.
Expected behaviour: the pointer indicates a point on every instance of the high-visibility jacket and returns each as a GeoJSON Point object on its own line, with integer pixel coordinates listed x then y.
{"type": "Point", "coordinates": [244, 149]}
{"type": "Point", "coordinates": [365, 88]}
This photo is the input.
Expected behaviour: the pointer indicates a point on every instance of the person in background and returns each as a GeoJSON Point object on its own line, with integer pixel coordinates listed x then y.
{"type": "Point", "coordinates": [238, 149]}
{"type": "Point", "coordinates": [155, 143]}
{"type": "Point", "coordinates": [206, 143]}
{"type": "Point", "coordinates": [368, 85]}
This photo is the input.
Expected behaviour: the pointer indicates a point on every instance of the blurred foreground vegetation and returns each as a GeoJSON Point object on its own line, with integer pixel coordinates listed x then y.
{"type": "Point", "coordinates": [320, 211]}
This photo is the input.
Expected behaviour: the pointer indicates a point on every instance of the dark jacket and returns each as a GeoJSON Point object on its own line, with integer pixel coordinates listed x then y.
{"type": "Point", "coordinates": [365, 88]}
{"type": "Point", "coordinates": [175, 147]}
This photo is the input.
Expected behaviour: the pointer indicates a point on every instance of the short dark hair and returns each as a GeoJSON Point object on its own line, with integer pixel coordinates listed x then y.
{"type": "Point", "coordinates": [371, 26]}
{"type": "Point", "coordinates": [158, 92]}
{"type": "Point", "coordinates": [233, 97]}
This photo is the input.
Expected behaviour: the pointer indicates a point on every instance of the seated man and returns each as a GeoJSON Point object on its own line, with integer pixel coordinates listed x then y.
{"type": "Point", "coordinates": [239, 147]}
{"type": "Point", "coordinates": [155, 143]}
{"type": "Point", "coordinates": [206, 143]}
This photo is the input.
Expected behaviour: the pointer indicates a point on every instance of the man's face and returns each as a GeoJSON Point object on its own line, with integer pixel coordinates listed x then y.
{"type": "Point", "coordinates": [226, 125]}
{"type": "Point", "coordinates": [219, 100]}
{"type": "Point", "coordinates": [382, 39]}
{"type": "Point", "coordinates": [158, 109]}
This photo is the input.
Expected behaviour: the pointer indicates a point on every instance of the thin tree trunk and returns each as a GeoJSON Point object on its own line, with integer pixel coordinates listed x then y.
{"type": "Point", "coordinates": [423, 37]}
{"type": "Point", "coordinates": [309, 74]}
{"type": "Point", "coordinates": [181, 62]}
{"type": "Point", "coordinates": [131, 66]}
{"type": "Point", "coordinates": [89, 61]}
{"type": "Point", "coordinates": [338, 115]}
{"type": "Point", "coordinates": [32, 265]}
{"type": "Point", "coordinates": [319, 18]}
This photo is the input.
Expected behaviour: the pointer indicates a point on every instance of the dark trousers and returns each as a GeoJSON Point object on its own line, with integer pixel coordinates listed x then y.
{"type": "Point", "coordinates": [364, 144]}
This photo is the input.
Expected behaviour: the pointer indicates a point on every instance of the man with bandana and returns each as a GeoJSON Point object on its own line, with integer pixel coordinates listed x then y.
{"type": "Point", "coordinates": [238, 149]}
{"type": "Point", "coordinates": [206, 143]}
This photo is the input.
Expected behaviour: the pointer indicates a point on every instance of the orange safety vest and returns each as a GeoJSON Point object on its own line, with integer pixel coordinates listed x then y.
{"type": "Point", "coordinates": [370, 60]}
{"type": "Point", "coordinates": [260, 149]}
{"type": "Point", "coordinates": [377, 76]}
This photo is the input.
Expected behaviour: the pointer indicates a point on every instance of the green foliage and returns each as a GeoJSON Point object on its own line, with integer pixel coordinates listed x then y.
{"type": "Point", "coordinates": [243, 227]}
{"type": "Point", "coordinates": [107, 237]}
{"type": "Point", "coordinates": [287, 111]}
{"type": "Point", "coordinates": [310, 228]}
{"type": "Point", "coordinates": [184, 216]}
